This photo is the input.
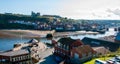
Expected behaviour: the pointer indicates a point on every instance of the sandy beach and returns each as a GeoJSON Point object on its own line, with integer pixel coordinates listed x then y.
{"type": "Point", "coordinates": [38, 33]}
{"type": "Point", "coordinates": [24, 33]}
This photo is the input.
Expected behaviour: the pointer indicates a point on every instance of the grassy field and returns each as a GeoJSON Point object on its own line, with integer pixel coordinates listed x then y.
{"type": "Point", "coordinates": [93, 60]}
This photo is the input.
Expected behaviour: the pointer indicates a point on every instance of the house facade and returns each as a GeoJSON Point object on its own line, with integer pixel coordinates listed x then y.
{"type": "Point", "coordinates": [82, 53]}
{"type": "Point", "coordinates": [64, 46]}
{"type": "Point", "coordinates": [15, 57]}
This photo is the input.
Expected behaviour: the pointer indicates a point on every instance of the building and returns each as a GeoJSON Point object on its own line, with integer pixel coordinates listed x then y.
{"type": "Point", "coordinates": [81, 54]}
{"type": "Point", "coordinates": [101, 50]}
{"type": "Point", "coordinates": [117, 38]}
{"type": "Point", "coordinates": [15, 57]}
{"type": "Point", "coordinates": [65, 45]}
{"type": "Point", "coordinates": [55, 16]}
{"type": "Point", "coordinates": [33, 14]}
{"type": "Point", "coordinates": [111, 46]}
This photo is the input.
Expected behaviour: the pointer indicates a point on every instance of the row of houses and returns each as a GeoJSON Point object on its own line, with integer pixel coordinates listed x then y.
{"type": "Point", "coordinates": [23, 22]}
{"type": "Point", "coordinates": [58, 25]}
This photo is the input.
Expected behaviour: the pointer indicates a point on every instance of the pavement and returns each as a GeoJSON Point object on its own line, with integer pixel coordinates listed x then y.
{"type": "Point", "coordinates": [47, 57]}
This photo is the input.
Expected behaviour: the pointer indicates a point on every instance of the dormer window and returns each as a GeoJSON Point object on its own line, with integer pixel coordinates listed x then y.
{"type": "Point", "coordinates": [58, 43]}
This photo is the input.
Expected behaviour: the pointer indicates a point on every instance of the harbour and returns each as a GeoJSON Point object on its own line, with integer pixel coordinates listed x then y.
{"type": "Point", "coordinates": [7, 43]}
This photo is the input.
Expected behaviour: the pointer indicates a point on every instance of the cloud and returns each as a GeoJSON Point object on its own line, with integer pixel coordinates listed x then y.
{"type": "Point", "coordinates": [115, 11]}
{"type": "Point", "coordinates": [106, 13]}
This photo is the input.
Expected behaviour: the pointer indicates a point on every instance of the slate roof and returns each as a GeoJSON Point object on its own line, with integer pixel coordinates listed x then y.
{"type": "Point", "coordinates": [84, 49]}
{"type": "Point", "coordinates": [97, 42]}
{"type": "Point", "coordinates": [14, 53]}
{"type": "Point", "coordinates": [66, 41]}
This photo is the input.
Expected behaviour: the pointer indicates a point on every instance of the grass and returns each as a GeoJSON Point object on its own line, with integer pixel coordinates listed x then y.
{"type": "Point", "coordinates": [93, 60]}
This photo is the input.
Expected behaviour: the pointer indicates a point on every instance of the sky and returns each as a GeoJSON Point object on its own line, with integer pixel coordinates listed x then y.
{"type": "Point", "coordinates": [75, 9]}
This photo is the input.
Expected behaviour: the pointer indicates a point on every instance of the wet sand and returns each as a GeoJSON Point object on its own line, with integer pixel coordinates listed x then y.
{"type": "Point", "coordinates": [23, 33]}
{"type": "Point", "coordinates": [38, 34]}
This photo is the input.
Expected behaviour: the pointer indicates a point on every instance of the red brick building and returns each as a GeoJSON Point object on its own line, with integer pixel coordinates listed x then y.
{"type": "Point", "coordinates": [65, 45]}
{"type": "Point", "coordinates": [15, 57]}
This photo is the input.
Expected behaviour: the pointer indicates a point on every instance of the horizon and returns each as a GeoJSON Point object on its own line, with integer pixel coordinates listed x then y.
{"type": "Point", "coordinates": [80, 9]}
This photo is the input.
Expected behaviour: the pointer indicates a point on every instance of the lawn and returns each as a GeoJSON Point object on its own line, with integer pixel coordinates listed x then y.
{"type": "Point", "coordinates": [93, 60]}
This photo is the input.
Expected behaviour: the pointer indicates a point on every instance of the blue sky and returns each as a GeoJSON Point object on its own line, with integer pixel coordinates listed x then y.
{"type": "Point", "coordinates": [77, 9]}
{"type": "Point", "coordinates": [26, 6]}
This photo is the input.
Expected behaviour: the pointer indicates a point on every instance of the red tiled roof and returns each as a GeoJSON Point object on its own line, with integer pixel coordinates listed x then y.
{"type": "Point", "coordinates": [101, 50]}
{"type": "Point", "coordinates": [84, 49]}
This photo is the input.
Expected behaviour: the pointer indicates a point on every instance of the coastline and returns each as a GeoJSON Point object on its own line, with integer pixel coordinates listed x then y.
{"type": "Point", "coordinates": [23, 33]}
{"type": "Point", "coordinates": [39, 34]}
{"type": "Point", "coordinates": [61, 34]}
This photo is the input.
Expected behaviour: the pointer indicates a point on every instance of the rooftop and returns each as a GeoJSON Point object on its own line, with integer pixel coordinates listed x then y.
{"type": "Point", "coordinates": [84, 49]}
{"type": "Point", "coordinates": [118, 36]}
{"type": "Point", "coordinates": [108, 38]}
{"type": "Point", "coordinates": [33, 41]}
{"type": "Point", "coordinates": [14, 53]}
{"type": "Point", "coordinates": [101, 50]}
{"type": "Point", "coordinates": [66, 40]}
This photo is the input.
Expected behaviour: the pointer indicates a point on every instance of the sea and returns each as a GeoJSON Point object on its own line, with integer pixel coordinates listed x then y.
{"type": "Point", "coordinates": [7, 43]}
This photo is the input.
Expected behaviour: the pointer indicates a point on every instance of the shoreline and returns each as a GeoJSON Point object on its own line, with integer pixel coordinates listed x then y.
{"type": "Point", "coordinates": [39, 34]}
{"type": "Point", "coordinates": [23, 33]}
{"type": "Point", "coordinates": [59, 34]}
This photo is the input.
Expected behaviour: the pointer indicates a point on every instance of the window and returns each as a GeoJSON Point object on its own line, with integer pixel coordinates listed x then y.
{"type": "Point", "coordinates": [83, 55]}
{"type": "Point", "coordinates": [58, 51]}
{"type": "Point", "coordinates": [16, 59]}
{"type": "Point", "coordinates": [94, 42]}
{"type": "Point", "coordinates": [21, 58]}
{"type": "Point", "coordinates": [3, 60]}
{"type": "Point", "coordinates": [13, 59]}
{"type": "Point", "coordinates": [28, 56]}
{"type": "Point", "coordinates": [58, 43]}
{"type": "Point", "coordinates": [61, 45]}
{"type": "Point", "coordinates": [67, 47]}
{"type": "Point", "coordinates": [89, 53]}
{"type": "Point", "coordinates": [64, 46]}
{"type": "Point", "coordinates": [76, 56]}
{"type": "Point", "coordinates": [61, 52]}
